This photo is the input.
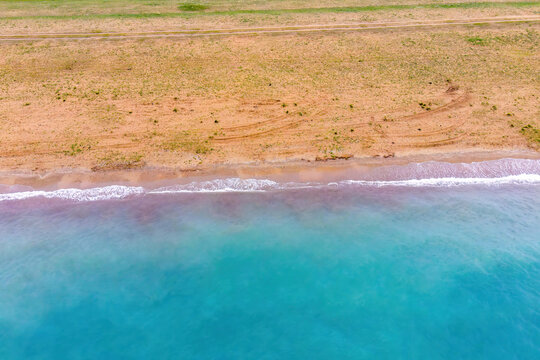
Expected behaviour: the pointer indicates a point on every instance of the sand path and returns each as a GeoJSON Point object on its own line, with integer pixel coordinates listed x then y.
{"type": "Point", "coordinates": [270, 30]}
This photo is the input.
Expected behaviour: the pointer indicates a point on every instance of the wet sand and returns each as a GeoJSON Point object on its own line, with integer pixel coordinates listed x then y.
{"type": "Point", "coordinates": [294, 171]}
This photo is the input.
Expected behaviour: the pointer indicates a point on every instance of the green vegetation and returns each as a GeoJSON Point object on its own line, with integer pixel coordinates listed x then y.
{"type": "Point", "coordinates": [532, 133]}
{"type": "Point", "coordinates": [192, 9]}
{"type": "Point", "coordinates": [77, 148]}
{"type": "Point", "coordinates": [476, 40]}
{"type": "Point", "coordinates": [530, 36]}
{"type": "Point", "coordinates": [335, 143]}
{"type": "Point", "coordinates": [188, 142]}
{"type": "Point", "coordinates": [168, 99]}
{"type": "Point", "coordinates": [118, 161]}
{"type": "Point", "coordinates": [424, 106]}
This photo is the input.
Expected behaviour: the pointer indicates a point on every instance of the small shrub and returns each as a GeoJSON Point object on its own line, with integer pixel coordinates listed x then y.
{"type": "Point", "coordinates": [425, 106]}
{"type": "Point", "coordinates": [77, 148]}
{"type": "Point", "coordinates": [532, 133]}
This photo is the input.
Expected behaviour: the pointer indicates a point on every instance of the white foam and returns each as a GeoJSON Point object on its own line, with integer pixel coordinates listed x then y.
{"type": "Point", "coordinates": [220, 186]}
{"type": "Point", "coordinates": [436, 169]}
{"type": "Point", "coordinates": [522, 179]}
{"type": "Point", "coordinates": [256, 185]}
{"type": "Point", "coordinates": [431, 174]}
{"type": "Point", "coordinates": [94, 194]}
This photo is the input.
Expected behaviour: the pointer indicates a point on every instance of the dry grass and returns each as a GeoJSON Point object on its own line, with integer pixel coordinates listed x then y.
{"type": "Point", "coordinates": [28, 23]}
{"type": "Point", "coordinates": [111, 104]}
{"type": "Point", "coordinates": [119, 161]}
{"type": "Point", "coordinates": [143, 8]}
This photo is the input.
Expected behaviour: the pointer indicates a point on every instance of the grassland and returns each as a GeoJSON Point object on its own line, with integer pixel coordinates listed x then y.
{"type": "Point", "coordinates": [194, 102]}
{"type": "Point", "coordinates": [166, 8]}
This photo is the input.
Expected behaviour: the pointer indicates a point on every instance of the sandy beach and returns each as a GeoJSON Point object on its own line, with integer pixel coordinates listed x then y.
{"type": "Point", "coordinates": [131, 94]}
{"type": "Point", "coordinates": [292, 171]}
{"type": "Point", "coordinates": [269, 179]}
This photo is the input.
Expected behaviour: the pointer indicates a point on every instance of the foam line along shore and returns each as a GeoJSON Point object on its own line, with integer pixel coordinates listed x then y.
{"type": "Point", "coordinates": [428, 174]}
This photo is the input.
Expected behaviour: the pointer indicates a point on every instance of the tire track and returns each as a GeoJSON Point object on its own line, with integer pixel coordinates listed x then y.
{"type": "Point", "coordinates": [268, 30]}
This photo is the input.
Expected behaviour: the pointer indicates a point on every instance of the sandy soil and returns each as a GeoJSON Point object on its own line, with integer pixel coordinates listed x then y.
{"type": "Point", "coordinates": [288, 171]}
{"type": "Point", "coordinates": [388, 91]}
{"type": "Point", "coordinates": [39, 25]}
{"type": "Point", "coordinates": [268, 30]}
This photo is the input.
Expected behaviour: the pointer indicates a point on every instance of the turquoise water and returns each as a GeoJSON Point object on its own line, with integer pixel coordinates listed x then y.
{"type": "Point", "coordinates": [334, 273]}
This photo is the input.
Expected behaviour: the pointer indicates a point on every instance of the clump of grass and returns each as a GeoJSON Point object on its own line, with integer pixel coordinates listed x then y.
{"type": "Point", "coordinates": [477, 40]}
{"type": "Point", "coordinates": [119, 161]}
{"type": "Point", "coordinates": [192, 7]}
{"type": "Point", "coordinates": [77, 148]}
{"type": "Point", "coordinates": [188, 142]}
{"type": "Point", "coordinates": [424, 106]}
{"type": "Point", "coordinates": [366, 142]}
{"type": "Point", "coordinates": [532, 133]}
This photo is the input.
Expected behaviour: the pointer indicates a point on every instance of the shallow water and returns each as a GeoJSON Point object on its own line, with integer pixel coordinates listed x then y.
{"type": "Point", "coordinates": [340, 271]}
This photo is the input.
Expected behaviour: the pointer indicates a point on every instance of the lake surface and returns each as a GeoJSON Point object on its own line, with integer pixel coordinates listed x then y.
{"type": "Point", "coordinates": [415, 269]}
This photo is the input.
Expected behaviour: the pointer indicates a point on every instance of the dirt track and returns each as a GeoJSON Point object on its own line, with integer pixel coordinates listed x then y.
{"type": "Point", "coordinates": [366, 26]}
{"type": "Point", "coordinates": [402, 130]}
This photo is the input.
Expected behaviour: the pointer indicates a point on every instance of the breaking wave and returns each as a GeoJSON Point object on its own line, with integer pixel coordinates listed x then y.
{"type": "Point", "coordinates": [221, 185]}
{"type": "Point", "coordinates": [428, 174]}
{"type": "Point", "coordinates": [94, 194]}
{"type": "Point", "coordinates": [523, 179]}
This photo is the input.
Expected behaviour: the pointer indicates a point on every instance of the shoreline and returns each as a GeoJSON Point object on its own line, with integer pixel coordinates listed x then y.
{"type": "Point", "coordinates": [288, 171]}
